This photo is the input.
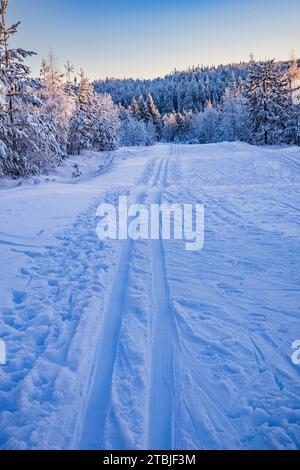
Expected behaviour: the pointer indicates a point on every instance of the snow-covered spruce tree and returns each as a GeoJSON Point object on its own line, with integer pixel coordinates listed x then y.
{"type": "Point", "coordinates": [70, 87]}
{"type": "Point", "coordinates": [81, 123]}
{"type": "Point", "coordinates": [232, 117]}
{"type": "Point", "coordinates": [190, 136]}
{"type": "Point", "coordinates": [268, 102]}
{"type": "Point", "coordinates": [133, 132]}
{"type": "Point", "coordinates": [135, 109]}
{"type": "Point", "coordinates": [152, 116]}
{"type": "Point", "coordinates": [151, 134]}
{"type": "Point", "coordinates": [207, 125]}
{"type": "Point", "coordinates": [105, 124]}
{"type": "Point", "coordinates": [59, 104]}
{"type": "Point", "coordinates": [69, 74]}
{"type": "Point", "coordinates": [169, 129]}
{"type": "Point", "coordinates": [95, 123]}
{"type": "Point", "coordinates": [24, 148]}
{"type": "Point", "coordinates": [141, 107]}
{"type": "Point", "coordinates": [293, 127]}
{"type": "Point", "coordinates": [180, 127]}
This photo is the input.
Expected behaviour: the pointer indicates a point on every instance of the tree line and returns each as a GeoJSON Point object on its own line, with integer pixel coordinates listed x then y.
{"type": "Point", "coordinates": [45, 119]}
{"type": "Point", "coordinates": [259, 106]}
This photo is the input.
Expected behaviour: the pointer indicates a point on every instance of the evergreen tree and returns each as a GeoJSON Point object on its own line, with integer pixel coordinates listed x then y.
{"type": "Point", "coordinates": [59, 104]}
{"type": "Point", "coordinates": [69, 73]}
{"type": "Point", "coordinates": [293, 125]}
{"type": "Point", "coordinates": [26, 146]}
{"type": "Point", "coordinates": [180, 127]}
{"type": "Point", "coordinates": [133, 132]}
{"type": "Point", "coordinates": [141, 108]}
{"type": "Point", "coordinates": [105, 123]}
{"type": "Point", "coordinates": [268, 102]}
{"type": "Point", "coordinates": [81, 123]}
{"type": "Point", "coordinates": [232, 118]}
{"type": "Point", "coordinates": [135, 108]}
{"type": "Point", "coordinates": [169, 130]}
{"type": "Point", "coordinates": [207, 125]}
{"type": "Point", "coordinates": [152, 115]}
{"type": "Point", "coordinates": [95, 123]}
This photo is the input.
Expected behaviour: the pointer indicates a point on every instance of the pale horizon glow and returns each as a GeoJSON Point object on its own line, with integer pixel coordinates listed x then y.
{"type": "Point", "coordinates": [151, 38]}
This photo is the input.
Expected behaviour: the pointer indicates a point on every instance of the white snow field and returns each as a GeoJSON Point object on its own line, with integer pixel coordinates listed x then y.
{"type": "Point", "coordinates": [142, 344]}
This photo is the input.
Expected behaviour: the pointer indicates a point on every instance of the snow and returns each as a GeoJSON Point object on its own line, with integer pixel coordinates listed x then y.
{"type": "Point", "coordinates": [132, 345]}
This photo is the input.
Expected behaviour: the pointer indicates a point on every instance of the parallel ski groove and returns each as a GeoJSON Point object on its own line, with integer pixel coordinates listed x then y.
{"type": "Point", "coordinates": [93, 429]}
{"type": "Point", "coordinates": [160, 412]}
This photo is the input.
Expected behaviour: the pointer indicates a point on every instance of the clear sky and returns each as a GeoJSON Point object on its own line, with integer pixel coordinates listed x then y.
{"type": "Point", "coordinates": [149, 38]}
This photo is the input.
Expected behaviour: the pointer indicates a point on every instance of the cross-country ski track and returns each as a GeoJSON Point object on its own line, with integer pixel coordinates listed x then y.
{"type": "Point", "coordinates": [141, 344]}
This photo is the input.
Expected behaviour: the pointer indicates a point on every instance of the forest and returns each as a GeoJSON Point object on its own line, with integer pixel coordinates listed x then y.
{"type": "Point", "coordinates": [61, 113]}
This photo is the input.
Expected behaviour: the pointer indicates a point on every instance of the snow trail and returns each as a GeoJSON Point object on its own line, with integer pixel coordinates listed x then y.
{"type": "Point", "coordinates": [162, 370]}
{"type": "Point", "coordinates": [141, 344]}
{"type": "Point", "coordinates": [99, 401]}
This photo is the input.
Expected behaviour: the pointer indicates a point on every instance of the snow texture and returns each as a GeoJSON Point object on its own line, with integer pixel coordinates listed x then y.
{"type": "Point", "coordinates": [132, 345]}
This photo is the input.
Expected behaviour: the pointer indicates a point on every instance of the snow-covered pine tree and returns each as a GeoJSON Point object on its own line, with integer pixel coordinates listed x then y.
{"type": "Point", "coordinates": [294, 77]}
{"type": "Point", "coordinates": [293, 127]}
{"type": "Point", "coordinates": [81, 123]}
{"type": "Point", "coordinates": [232, 118]}
{"type": "Point", "coordinates": [152, 115]}
{"type": "Point", "coordinates": [106, 123]}
{"type": "Point", "coordinates": [207, 125]}
{"type": "Point", "coordinates": [169, 127]}
{"type": "Point", "coordinates": [135, 109]}
{"type": "Point", "coordinates": [69, 74]}
{"type": "Point", "coordinates": [189, 134]}
{"type": "Point", "coordinates": [141, 107]}
{"type": "Point", "coordinates": [59, 104]}
{"type": "Point", "coordinates": [95, 122]}
{"type": "Point", "coordinates": [132, 131]}
{"type": "Point", "coordinates": [179, 133]}
{"type": "Point", "coordinates": [76, 171]}
{"type": "Point", "coordinates": [24, 141]}
{"type": "Point", "coordinates": [151, 136]}
{"type": "Point", "coordinates": [268, 102]}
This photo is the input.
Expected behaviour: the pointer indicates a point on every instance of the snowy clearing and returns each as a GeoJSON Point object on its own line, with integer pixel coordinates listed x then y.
{"type": "Point", "coordinates": [133, 345]}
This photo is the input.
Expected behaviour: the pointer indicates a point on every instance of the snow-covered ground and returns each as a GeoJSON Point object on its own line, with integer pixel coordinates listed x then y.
{"type": "Point", "coordinates": [131, 345]}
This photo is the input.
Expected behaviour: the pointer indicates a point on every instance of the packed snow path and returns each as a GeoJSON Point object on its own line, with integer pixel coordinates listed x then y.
{"type": "Point", "coordinates": [132, 345]}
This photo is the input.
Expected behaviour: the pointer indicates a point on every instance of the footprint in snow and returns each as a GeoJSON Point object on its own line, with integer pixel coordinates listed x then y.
{"type": "Point", "coordinates": [18, 296]}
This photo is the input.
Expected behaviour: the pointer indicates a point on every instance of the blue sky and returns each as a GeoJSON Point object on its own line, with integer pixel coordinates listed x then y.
{"type": "Point", "coordinates": [149, 38]}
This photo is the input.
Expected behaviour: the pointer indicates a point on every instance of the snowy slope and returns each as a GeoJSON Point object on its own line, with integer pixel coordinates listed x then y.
{"type": "Point", "coordinates": [142, 344]}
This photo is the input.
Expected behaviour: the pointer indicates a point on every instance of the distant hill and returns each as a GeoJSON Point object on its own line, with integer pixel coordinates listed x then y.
{"type": "Point", "coordinates": [191, 89]}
